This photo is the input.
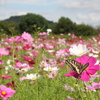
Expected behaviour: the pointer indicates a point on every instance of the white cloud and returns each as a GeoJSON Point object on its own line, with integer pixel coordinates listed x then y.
{"type": "Point", "coordinates": [78, 11]}
{"type": "Point", "coordinates": [6, 13]}
{"type": "Point", "coordinates": [82, 16]}
{"type": "Point", "coordinates": [21, 13]}
{"type": "Point", "coordinates": [90, 18]}
{"type": "Point", "coordinates": [31, 2]}
{"type": "Point", "coordinates": [95, 16]}
{"type": "Point", "coordinates": [86, 11]}
{"type": "Point", "coordinates": [2, 2]}
{"type": "Point", "coordinates": [92, 5]}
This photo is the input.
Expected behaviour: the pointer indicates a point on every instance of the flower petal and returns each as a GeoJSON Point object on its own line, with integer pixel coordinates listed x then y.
{"type": "Point", "coordinates": [91, 61]}
{"type": "Point", "coordinates": [92, 70]}
{"type": "Point", "coordinates": [83, 59]}
{"type": "Point", "coordinates": [72, 73]}
{"type": "Point", "coordinates": [77, 59]}
{"type": "Point", "coordinates": [96, 85]}
{"type": "Point", "coordinates": [90, 87]}
{"type": "Point", "coordinates": [85, 76]}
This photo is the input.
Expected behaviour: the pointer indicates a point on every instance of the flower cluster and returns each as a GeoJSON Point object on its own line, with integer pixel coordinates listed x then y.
{"type": "Point", "coordinates": [90, 70]}
{"type": "Point", "coordinates": [26, 59]}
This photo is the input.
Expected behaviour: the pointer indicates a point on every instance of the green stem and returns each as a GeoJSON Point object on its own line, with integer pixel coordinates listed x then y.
{"type": "Point", "coordinates": [78, 87]}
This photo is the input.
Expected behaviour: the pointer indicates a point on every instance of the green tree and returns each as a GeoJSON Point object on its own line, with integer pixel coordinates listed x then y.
{"type": "Point", "coordinates": [30, 22]}
{"type": "Point", "coordinates": [4, 28]}
{"type": "Point", "coordinates": [64, 25]}
{"type": "Point", "coordinates": [9, 28]}
{"type": "Point", "coordinates": [85, 30]}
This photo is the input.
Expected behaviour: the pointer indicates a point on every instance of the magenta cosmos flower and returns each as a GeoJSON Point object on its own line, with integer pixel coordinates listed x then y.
{"type": "Point", "coordinates": [90, 70]}
{"type": "Point", "coordinates": [6, 92]}
{"type": "Point", "coordinates": [3, 51]}
{"type": "Point", "coordinates": [4, 76]}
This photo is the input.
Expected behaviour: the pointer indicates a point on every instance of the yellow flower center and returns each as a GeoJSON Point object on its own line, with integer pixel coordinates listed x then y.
{"type": "Point", "coordinates": [33, 78]}
{"type": "Point", "coordinates": [2, 53]}
{"type": "Point", "coordinates": [86, 68]}
{"type": "Point", "coordinates": [29, 60]}
{"type": "Point", "coordinates": [3, 93]}
{"type": "Point", "coordinates": [42, 65]}
{"type": "Point", "coordinates": [2, 75]}
{"type": "Point", "coordinates": [26, 35]}
{"type": "Point", "coordinates": [23, 70]}
{"type": "Point", "coordinates": [50, 69]}
{"type": "Point", "coordinates": [80, 53]}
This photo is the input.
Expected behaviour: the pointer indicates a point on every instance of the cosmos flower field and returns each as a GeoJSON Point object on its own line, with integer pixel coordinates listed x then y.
{"type": "Point", "coordinates": [36, 68]}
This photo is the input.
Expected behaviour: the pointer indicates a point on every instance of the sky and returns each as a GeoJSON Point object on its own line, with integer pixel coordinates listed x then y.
{"type": "Point", "coordinates": [79, 11]}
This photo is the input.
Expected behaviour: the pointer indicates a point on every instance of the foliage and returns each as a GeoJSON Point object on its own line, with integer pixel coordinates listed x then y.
{"type": "Point", "coordinates": [22, 56]}
{"type": "Point", "coordinates": [29, 21]}
{"type": "Point", "coordinates": [64, 25]}
{"type": "Point", "coordinates": [51, 25]}
{"type": "Point", "coordinates": [4, 27]}
{"type": "Point", "coordinates": [85, 30]}
{"type": "Point", "coordinates": [14, 19]}
{"type": "Point", "coordinates": [9, 28]}
{"type": "Point", "coordinates": [34, 23]}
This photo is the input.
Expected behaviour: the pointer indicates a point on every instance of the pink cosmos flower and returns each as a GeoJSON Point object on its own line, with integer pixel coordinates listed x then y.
{"type": "Point", "coordinates": [18, 38]}
{"type": "Point", "coordinates": [62, 41]}
{"type": "Point", "coordinates": [35, 53]}
{"type": "Point", "coordinates": [48, 46]}
{"type": "Point", "coordinates": [68, 88]}
{"type": "Point", "coordinates": [44, 38]}
{"type": "Point", "coordinates": [62, 64]}
{"type": "Point", "coordinates": [61, 53]}
{"type": "Point", "coordinates": [22, 78]}
{"type": "Point", "coordinates": [20, 65]}
{"type": "Point", "coordinates": [44, 33]}
{"type": "Point", "coordinates": [12, 39]}
{"type": "Point", "coordinates": [3, 51]}
{"type": "Point", "coordinates": [70, 98]}
{"type": "Point", "coordinates": [94, 86]}
{"type": "Point", "coordinates": [52, 74]}
{"type": "Point", "coordinates": [95, 75]}
{"type": "Point", "coordinates": [1, 62]}
{"type": "Point", "coordinates": [27, 37]}
{"type": "Point", "coordinates": [43, 64]}
{"type": "Point", "coordinates": [61, 34]}
{"type": "Point", "coordinates": [90, 70]}
{"type": "Point", "coordinates": [69, 34]}
{"type": "Point", "coordinates": [6, 92]}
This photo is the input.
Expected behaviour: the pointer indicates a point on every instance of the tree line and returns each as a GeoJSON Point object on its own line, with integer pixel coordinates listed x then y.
{"type": "Point", "coordinates": [33, 23]}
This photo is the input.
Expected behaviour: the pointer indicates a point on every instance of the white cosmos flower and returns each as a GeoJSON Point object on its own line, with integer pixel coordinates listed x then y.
{"type": "Point", "coordinates": [9, 66]}
{"type": "Point", "coordinates": [50, 69]}
{"type": "Point", "coordinates": [33, 76]}
{"type": "Point", "coordinates": [22, 70]}
{"type": "Point", "coordinates": [9, 61]}
{"type": "Point", "coordinates": [51, 50]}
{"type": "Point", "coordinates": [49, 30]}
{"type": "Point", "coordinates": [93, 55]}
{"type": "Point", "coordinates": [78, 50]}
{"type": "Point", "coordinates": [94, 51]}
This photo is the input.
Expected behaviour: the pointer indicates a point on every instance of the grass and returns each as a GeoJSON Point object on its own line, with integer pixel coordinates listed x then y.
{"type": "Point", "coordinates": [45, 88]}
